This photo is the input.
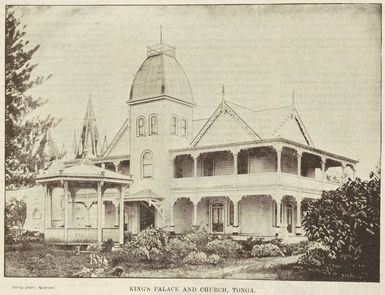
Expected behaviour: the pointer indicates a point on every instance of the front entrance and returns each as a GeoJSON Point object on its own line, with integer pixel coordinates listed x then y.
{"type": "Point", "coordinates": [147, 216]}
{"type": "Point", "coordinates": [289, 215]}
{"type": "Point", "coordinates": [217, 218]}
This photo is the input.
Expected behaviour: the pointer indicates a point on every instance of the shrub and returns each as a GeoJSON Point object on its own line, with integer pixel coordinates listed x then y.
{"type": "Point", "coordinates": [199, 238]}
{"type": "Point", "coordinates": [178, 248]}
{"type": "Point", "coordinates": [246, 246]}
{"type": "Point", "coordinates": [225, 248]}
{"type": "Point", "coordinates": [196, 258]}
{"type": "Point", "coordinates": [107, 245]}
{"type": "Point", "coordinates": [214, 259]}
{"type": "Point", "coordinates": [266, 250]}
{"type": "Point", "coordinates": [149, 245]}
{"type": "Point", "coordinates": [347, 220]}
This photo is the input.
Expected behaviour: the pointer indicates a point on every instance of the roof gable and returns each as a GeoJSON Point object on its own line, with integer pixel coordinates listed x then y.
{"type": "Point", "coordinates": [121, 143]}
{"type": "Point", "coordinates": [224, 126]}
{"type": "Point", "coordinates": [282, 122]}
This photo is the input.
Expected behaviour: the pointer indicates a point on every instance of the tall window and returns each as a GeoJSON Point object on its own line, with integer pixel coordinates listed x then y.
{"type": "Point", "coordinates": [174, 126]}
{"type": "Point", "coordinates": [147, 164]}
{"type": "Point", "coordinates": [184, 127]}
{"type": "Point", "coordinates": [153, 124]}
{"type": "Point", "coordinates": [140, 126]}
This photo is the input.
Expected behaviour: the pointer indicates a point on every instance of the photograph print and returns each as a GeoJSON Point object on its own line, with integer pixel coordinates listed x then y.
{"type": "Point", "coordinates": [193, 141]}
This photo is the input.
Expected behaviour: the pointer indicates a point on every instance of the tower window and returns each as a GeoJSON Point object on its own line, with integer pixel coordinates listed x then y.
{"type": "Point", "coordinates": [140, 126]}
{"type": "Point", "coordinates": [174, 125]}
{"type": "Point", "coordinates": [153, 124]}
{"type": "Point", "coordinates": [147, 164]}
{"type": "Point", "coordinates": [184, 127]}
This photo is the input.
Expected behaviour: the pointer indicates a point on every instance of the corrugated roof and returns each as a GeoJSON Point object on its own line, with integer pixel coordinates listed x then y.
{"type": "Point", "coordinates": [161, 75]}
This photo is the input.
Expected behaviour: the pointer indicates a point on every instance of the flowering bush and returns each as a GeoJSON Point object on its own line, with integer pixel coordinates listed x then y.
{"type": "Point", "coordinates": [149, 245]}
{"type": "Point", "coordinates": [214, 259]}
{"type": "Point", "coordinates": [225, 248]}
{"type": "Point", "coordinates": [196, 258]}
{"type": "Point", "coordinates": [266, 250]}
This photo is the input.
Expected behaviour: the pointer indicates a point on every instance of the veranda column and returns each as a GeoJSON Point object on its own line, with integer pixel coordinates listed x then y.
{"type": "Point", "coordinates": [66, 209]}
{"type": "Point", "coordinates": [323, 164]}
{"type": "Point", "coordinates": [195, 157]}
{"type": "Point", "coordinates": [121, 216]}
{"type": "Point", "coordinates": [236, 199]}
{"type": "Point", "coordinates": [235, 157]}
{"type": "Point", "coordinates": [195, 216]}
{"type": "Point", "coordinates": [278, 201]}
{"type": "Point", "coordinates": [172, 213]}
{"type": "Point", "coordinates": [298, 226]}
{"type": "Point", "coordinates": [99, 210]}
{"type": "Point", "coordinates": [299, 159]}
{"type": "Point", "coordinates": [343, 178]}
{"type": "Point", "coordinates": [116, 205]}
{"type": "Point", "coordinates": [278, 149]}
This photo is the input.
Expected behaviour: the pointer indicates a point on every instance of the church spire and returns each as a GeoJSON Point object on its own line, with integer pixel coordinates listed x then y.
{"type": "Point", "coordinates": [90, 136]}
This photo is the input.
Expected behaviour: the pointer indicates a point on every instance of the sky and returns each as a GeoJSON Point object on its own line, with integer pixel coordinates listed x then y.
{"type": "Point", "coordinates": [330, 55]}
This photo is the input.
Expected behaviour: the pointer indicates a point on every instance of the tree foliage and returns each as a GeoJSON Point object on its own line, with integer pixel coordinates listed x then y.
{"type": "Point", "coordinates": [15, 215]}
{"type": "Point", "coordinates": [22, 132]}
{"type": "Point", "coordinates": [347, 221]}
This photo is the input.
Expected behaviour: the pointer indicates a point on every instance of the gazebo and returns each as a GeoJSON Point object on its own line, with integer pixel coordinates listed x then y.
{"type": "Point", "coordinates": [71, 180]}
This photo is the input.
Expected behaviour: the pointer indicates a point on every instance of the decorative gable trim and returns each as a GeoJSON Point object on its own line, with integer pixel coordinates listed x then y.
{"type": "Point", "coordinates": [293, 114]}
{"type": "Point", "coordinates": [222, 109]}
{"type": "Point", "coordinates": [116, 138]}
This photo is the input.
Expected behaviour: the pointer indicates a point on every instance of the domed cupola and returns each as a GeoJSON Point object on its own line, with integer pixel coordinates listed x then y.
{"type": "Point", "coordinates": [161, 75]}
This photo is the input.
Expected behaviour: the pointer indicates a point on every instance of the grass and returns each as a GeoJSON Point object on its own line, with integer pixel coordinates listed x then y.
{"type": "Point", "coordinates": [47, 261]}
{"type": "Point", "coordinates": [41, 260]}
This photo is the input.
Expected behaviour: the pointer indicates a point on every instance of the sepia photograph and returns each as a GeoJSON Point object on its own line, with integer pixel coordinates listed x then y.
{"type": "Point", "coordinates": [227, 142]}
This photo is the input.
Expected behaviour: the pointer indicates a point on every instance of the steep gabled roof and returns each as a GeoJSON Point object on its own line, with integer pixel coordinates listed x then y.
{"type": "Point", "coordinates": [222, 109]}
{"type": "Point", "coordinates": [264, 124]}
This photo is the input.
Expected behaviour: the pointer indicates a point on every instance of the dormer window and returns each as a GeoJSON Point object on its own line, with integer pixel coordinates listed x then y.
{"type": "Point", "coordinates": [174, 125]}
{"type": "Point", "coordinates": [140, 126]}
{"type": "Point", "coordinates": [184, 127]}
{"type": "Point", "coordinates": [153, 124]}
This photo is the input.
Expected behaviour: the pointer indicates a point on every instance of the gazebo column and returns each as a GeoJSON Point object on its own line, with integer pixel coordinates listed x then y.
{"type": "Point", "coordinates": [99, 210]}
{"type": "Point", "coordinates": [66, 211]}
{"type": "Point", "coordinates": [48, 206]}
{"type": "Point", "coordinates": [121, 216]}
{"type": "Point", "coordinates": [72, 209]}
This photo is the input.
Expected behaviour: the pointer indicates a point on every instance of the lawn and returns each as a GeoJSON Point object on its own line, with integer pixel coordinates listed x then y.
{"type": "Point", "coordinates": [48, 261]}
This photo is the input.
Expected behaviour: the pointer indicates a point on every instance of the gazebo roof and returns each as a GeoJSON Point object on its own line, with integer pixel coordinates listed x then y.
{"type": "Point", "coordinates": [81, 172]}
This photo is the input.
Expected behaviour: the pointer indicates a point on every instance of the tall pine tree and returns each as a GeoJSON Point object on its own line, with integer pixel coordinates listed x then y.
{"type": "Point", "coordinates": [21, 132]}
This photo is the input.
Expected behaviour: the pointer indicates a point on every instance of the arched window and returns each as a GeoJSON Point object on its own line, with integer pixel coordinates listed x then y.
{"type": "Point", "coordinates": [184, 127]}
{"type": "Point", "coordinates": [140, 126]}
{"type": "Point", "coordinates": [147, 164]}
{"type": "Point", "coordinates": [36, 215]}
{"type": "Point", "coordinates": [174, 125]}
{"type": "Point", "coordinates": [153, 124]}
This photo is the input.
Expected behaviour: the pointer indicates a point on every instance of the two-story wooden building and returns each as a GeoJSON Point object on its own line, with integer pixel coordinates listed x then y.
{"type": "Point", "coordinates": [241, 171]}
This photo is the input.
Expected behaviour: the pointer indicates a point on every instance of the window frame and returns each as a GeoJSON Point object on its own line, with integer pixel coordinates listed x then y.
{"type": "Point", "coordinates": [143, 164]}
{"type": "Point", "coordinates": [184, 129]}
{"type": "Point", "coordinates": [140, 128]}
{"type": "Point", "coordinates": [152, 131]}
{"type": "Point", "coordinates": [174, 128]}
